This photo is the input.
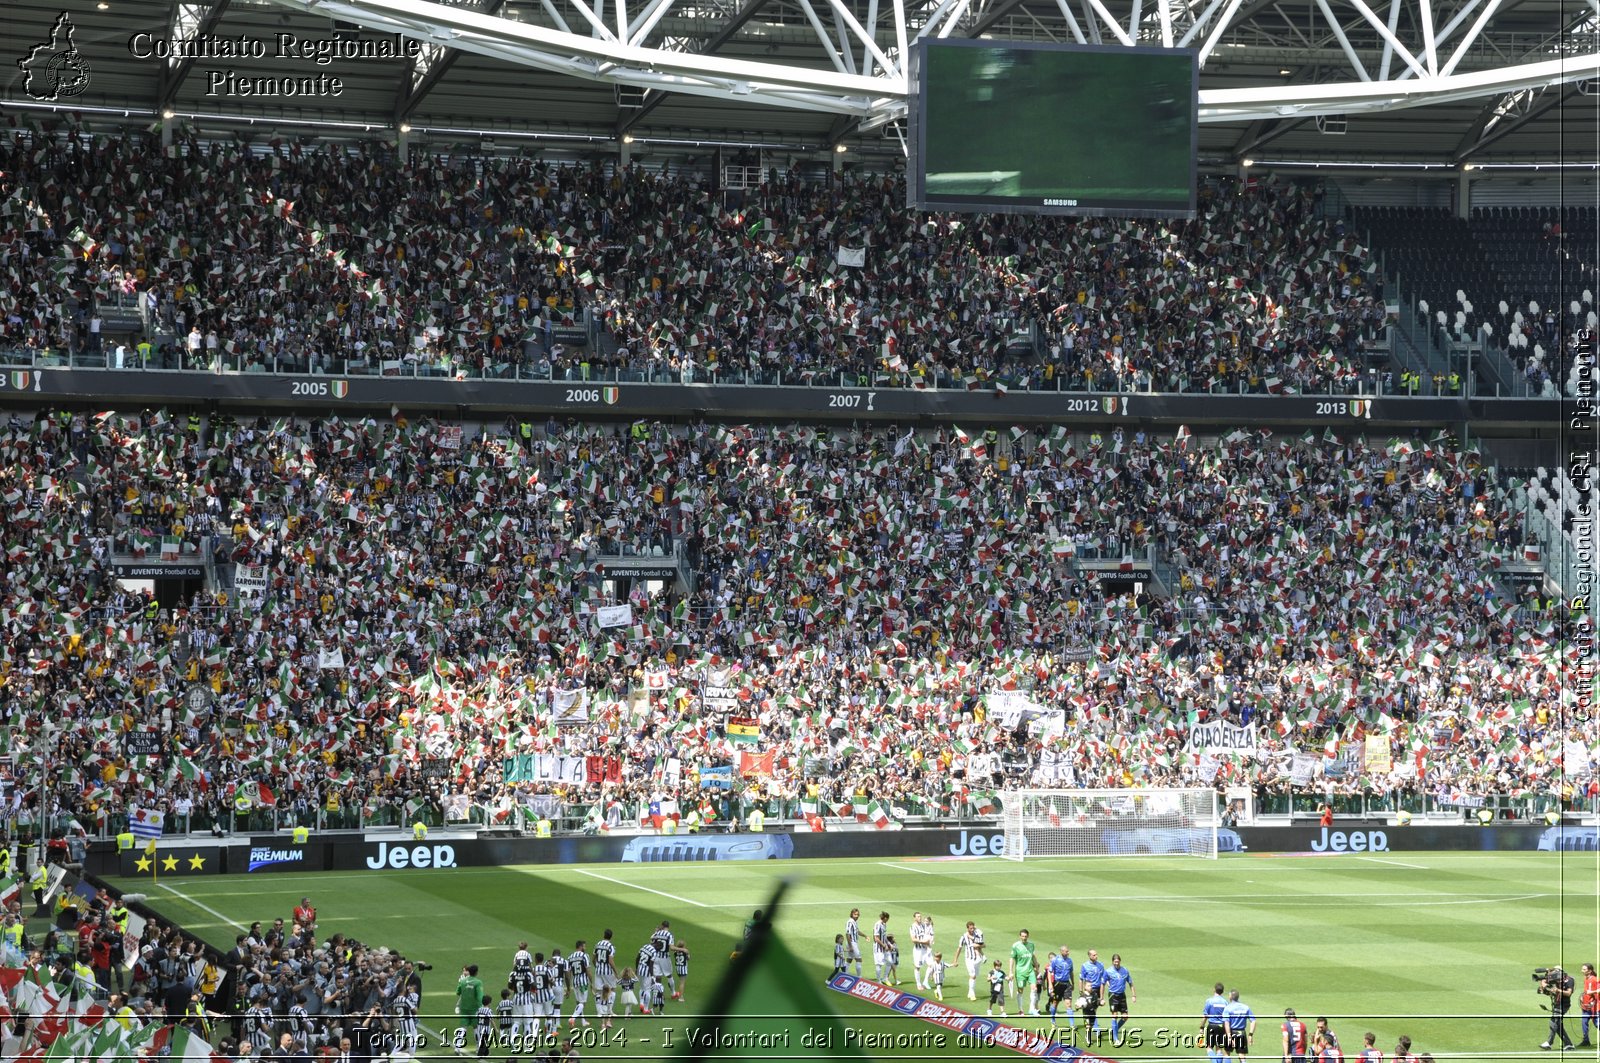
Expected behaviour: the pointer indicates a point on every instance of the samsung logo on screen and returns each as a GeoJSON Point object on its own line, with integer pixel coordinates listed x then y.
{"type": "Point", "coordinates": [1061, 202]}
{"type": "Point", "coordinates": [260, 858]}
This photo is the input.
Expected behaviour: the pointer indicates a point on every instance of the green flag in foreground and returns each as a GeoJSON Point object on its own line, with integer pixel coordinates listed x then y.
{"type": "Point", "coordinates": [768, 1007]}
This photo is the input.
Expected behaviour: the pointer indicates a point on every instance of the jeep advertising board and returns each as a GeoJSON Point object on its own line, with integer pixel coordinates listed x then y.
{"type": "Point", "coordinates": [1357, 836]}
{"type": "Point", "coordinates": [398, 853]}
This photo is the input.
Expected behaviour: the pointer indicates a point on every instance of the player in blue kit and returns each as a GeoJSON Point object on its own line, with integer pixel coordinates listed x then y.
{"type": "Point", "coordinates": [1119, 990]}
{"type": "Point", "coordinates": [1214, 1026]}
{"type": "Point", "coordinates": [1241, 1025]}
{"type": "Point", "coordinates": [1059, 974]}
{"type": "Point", "coordinates": [1092, 975]}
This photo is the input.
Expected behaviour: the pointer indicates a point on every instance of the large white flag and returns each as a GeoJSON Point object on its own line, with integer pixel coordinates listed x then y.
{"type": "Point", "coordinates": [613, 616]}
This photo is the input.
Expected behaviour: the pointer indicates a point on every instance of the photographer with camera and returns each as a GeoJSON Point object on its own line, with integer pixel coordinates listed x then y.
{"type": "Point", "coordinates": [1558, 985]}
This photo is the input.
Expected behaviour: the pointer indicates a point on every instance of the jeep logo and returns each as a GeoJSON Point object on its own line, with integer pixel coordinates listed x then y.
{"type": "Point", "coordinates": [1357, 841]}
{"type": "Point", "coordinates": [399, 856]}
{"type": "Point", "coordinates": [982, 845]}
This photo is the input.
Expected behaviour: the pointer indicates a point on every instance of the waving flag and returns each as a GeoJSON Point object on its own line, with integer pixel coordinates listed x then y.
{"type": "Point", "coordinates": [146, 823]}
{"type": "Point", "coordinates": [766, 992]}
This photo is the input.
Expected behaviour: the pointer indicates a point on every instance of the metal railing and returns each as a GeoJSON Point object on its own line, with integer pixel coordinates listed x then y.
{"type": "Point", "coordinates": [590, 817]}
{"type": "Point", "coordinates": [567, 817]}
{"type": "Point", "coordinates": [1307, 804]}
{"type": "Point", "coordinates": [513, 368]}
{"type": "Point", "coordinates": [1507, 378]}
{"type": "Point", "coordinates": [1558, 554]}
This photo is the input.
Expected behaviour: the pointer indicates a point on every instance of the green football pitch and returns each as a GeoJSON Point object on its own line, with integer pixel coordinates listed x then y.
{"type": "Point", "coordinates": [1435, 946]}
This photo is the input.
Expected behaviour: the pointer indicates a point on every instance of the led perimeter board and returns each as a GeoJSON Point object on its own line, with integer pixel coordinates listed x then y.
{"type": "Point", "coordinates": [1053, 129]}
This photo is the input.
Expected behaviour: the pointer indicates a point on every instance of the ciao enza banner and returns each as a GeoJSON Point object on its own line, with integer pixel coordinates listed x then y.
{"type": "Point", "coordinates": [1222, 738]}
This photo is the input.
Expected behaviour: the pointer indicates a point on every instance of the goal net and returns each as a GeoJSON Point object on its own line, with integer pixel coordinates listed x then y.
{"type": "Point", "coordinates": [1109, 823]}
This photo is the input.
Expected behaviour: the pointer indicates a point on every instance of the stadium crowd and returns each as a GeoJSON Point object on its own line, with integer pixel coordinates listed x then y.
{"type": "Point", "coordinates": [280, 993]}
{"type": "Point", "coordinates": [865, 597]}
{"type": "Point", "coordinates": [303, 258]}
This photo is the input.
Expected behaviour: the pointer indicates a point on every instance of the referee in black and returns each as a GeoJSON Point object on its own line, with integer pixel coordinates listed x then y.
{"type": "Point", "coordinates": [1241, 1025]}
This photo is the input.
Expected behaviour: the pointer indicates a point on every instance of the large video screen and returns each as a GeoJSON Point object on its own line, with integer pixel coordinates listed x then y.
{"type": "Point", "coordinates": [1053, 129]}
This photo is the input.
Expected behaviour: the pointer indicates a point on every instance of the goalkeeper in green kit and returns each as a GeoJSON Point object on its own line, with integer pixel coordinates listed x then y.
{"type": "Point", "coordinates": [469, 997]}
{"type": "Point", "coordinates": [1025, 974]}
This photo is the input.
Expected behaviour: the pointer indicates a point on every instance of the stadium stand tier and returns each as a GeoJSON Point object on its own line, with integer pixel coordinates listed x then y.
{"type": "Point", "coordinates": [343, 259]}
{"type": "Point", "coordinates": [425, 641]}
{"type": "Point", "coordinates": [1518, 279]}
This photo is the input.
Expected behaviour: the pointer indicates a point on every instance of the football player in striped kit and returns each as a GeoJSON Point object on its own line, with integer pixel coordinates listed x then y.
{"type": "Point", "coordinates": [544, 995]}
{"type": "Point", "coordinates": [300, 1026]}
{"type": "Point", "coordinates": [880, 948]}
{"type": "Point", "coordinates": [258, 1028]}
{"type": "Point", "coordinates": [680, 968]}
{"type": "Point", "coordinates": [971, 947]}
{"type": "Point", "coordinates": [578, 976]}
{"type": "Point", "coordinates": [852, 940]}
{"type": "Point", "coordinates": [406, 1005]}
{"type": "Point", "coordinates": [558, 968]}
{"type": "Point", "coordinates": [650, 993]}
{"type": "Point", "coordinates": [503, 1013]}
{"type": "Point", "coordinates": [486, 1028]}
{"type": "Point", "coordinates": [662, 941]}
{"type": "Point", "coordinates": [605, 961]}
{"type": "Point", "coordinates": [921, 948]}
{"type": "Point", "coordinates": [524, 1025]}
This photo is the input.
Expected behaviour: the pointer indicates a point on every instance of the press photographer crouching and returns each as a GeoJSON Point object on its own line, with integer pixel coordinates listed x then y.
{"type": "Point", "coordinates": [1558, 985]}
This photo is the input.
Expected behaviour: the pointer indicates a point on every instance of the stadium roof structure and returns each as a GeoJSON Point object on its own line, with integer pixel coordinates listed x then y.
{"type": "Point", "coordinates": [1436, 84]}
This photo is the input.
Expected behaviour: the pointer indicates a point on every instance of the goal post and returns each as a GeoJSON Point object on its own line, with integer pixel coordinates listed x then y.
{"type": "Point", "coordinates": [1132, 822]}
